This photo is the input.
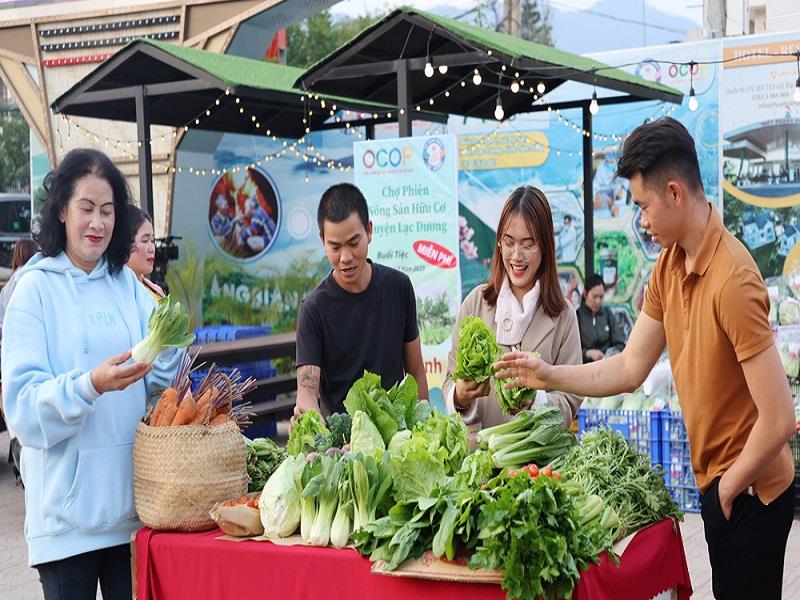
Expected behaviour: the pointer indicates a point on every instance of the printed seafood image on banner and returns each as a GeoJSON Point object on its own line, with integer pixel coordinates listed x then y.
{"type": "Point", "coordinates": [244, 213]}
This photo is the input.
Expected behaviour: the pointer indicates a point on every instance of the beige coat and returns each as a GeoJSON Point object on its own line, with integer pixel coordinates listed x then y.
{"type": "Point", "coordinates": [557, 340]}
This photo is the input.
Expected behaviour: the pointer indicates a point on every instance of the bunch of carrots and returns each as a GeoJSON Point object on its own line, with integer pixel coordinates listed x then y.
{"type": "Point", "coordinates": [212, 402]}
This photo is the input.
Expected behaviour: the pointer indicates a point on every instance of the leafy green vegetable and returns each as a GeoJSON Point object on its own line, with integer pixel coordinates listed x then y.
{"type": "Point", "coordinates": [367, 395]}
{"type": "Point", "coordinates": [263, 458]}
{"type": "Point", "coordinates": [365, 437]}
{"type": "Point", "coordinates": [447, 433]}
{"type": "Point", "coordinates": [303, 438]}
{"type": "Point", "coordinates": [340, 425]}
{"type": "Point", "coordinates": [532, 436]}
{"type": "Point", "coordinates": [279, 504]}
{"type": "Point", "coordinates": [324, 486]}
{"type": "Point", "coordinates": [168, 327]}
{"type": "Point", "coordinates": [514, 399]}
{"type": "Point", "coordinates": [606, 465]}
{"type": "Point", "coordinates": [540, 534]}
{"type": "Point", "coordinates": [477, 350]}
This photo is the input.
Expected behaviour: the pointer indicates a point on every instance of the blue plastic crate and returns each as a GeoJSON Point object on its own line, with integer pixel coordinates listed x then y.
{"type": "Point", "coordinates": [676, 462]}
{"type": "Point", "coordinates": [640, 427]}
{"type": "Point", "coordinates": [212, 334]}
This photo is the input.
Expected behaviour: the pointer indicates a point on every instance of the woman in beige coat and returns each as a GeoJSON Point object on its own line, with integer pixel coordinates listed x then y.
{"type": "Point", "coordinates": [523, 304]}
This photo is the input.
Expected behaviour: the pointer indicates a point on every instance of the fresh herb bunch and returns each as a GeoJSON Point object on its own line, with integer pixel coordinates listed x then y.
{"type": "Point", "coordinates": [542, 534]}
{"type": "Point", "coordinates": [606, 465]}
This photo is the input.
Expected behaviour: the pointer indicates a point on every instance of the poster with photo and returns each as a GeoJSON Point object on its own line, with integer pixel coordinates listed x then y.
{"type": "Point", "coordinates": [761, 150]}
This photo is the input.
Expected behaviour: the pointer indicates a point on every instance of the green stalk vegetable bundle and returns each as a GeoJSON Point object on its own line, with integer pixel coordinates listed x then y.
{"type": "Point", "coordinates": [532, 436]}
{"type": "Point", "coordinates": [604, 464]}
{"type": "Point", "coordinates": [264, 457]}
{"type": "Point", "coordinates": [168, 327]}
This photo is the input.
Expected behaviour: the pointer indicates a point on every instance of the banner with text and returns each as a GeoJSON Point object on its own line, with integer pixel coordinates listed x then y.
{"type": "Point", "coordinates": [411, 188]}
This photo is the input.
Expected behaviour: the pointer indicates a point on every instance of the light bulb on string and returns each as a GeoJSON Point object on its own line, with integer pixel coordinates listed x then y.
{"type": "Point", "coordinates": [442, 69]}
{"type": "Point", "coordinates": [540, 87]}
{"type": "Point", "coordinates": [499, 113]}
{"type": "Point", "coordinates": [476, 78]}
{"type": "Point", "coordinates": [594, 108]}
{"type": "Point", "coordinates": [514, 87]}
{"type": "Point", "coordinates": [428, 69]}
{"type": "Point", "coordinates": [693, 103]}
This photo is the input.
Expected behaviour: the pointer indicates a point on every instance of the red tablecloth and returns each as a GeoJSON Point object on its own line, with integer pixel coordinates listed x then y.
{"type": "Point", "coordinates": [174, 566]}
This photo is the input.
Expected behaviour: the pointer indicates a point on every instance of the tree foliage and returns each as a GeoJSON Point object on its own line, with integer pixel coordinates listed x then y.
{"type": "Point", "coordinates": [14, 151]}
{"type": "Point", "coordinates": [319, 35]}
{"type": "Point", "coordinates": [534, 19]}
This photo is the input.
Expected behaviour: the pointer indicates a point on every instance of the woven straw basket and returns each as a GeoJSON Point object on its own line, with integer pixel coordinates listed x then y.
{"type": "Point", "coordinates": [179, 473]}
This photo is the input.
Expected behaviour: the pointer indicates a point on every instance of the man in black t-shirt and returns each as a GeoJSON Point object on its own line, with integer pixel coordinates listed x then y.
{"type": "Point", "coordinates": [362, 316]}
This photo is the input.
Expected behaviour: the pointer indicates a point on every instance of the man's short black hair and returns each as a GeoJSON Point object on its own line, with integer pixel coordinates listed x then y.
{"type": "Point", "coordinates": [339, 202]}
{"type": "Point", "coordinates": [660, 151]}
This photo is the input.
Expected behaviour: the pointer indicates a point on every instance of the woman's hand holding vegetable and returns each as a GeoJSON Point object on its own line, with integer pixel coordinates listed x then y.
{"type": "Point", "coordinates": [467, 392]}
{"type": "Point", "coordinates": [523, 369]}
{"type": "Point", "coordinates": [113, 374]}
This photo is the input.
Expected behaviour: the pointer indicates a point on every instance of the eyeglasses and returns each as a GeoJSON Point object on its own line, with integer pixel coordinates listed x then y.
{"type": "Point", "coordinates": [508, 249]}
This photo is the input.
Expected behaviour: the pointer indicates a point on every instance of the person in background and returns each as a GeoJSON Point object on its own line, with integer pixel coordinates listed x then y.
{"type": "Point", "coordinates": [706, 301]}
{"type": "Point", "coordinates": [523, 304]}
{"type": "Point", "coordinates": [143, 251]}
{"type": "Point", "coordinates": [260, 228]}
{"type": "Point", "coordinates": [71, 394]}
{"type": "Point", "coordinates": [23, 251]}
{"type": "Point", "coordinates": [601, 335]}
{"type": "Point", "coordinates": [222, 223]}
{"type": "Point", "coordinates": [362, 316]}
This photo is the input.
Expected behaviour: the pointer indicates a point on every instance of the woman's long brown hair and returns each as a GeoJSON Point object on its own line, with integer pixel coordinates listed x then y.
{"type": "Point", "coordinates": [531, 204]}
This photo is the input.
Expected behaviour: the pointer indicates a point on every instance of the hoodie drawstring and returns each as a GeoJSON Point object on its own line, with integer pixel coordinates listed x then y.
{"type": "Point", "coordinates": [81, 319]}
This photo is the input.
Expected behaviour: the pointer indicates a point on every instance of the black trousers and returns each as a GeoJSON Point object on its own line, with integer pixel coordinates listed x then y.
{"type": "Point", "coordinates": [76, 577]}
{"type": "Point", "coordinates": [747, 552]}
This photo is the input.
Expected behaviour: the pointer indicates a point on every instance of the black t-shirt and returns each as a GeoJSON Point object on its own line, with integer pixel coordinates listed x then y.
{"type": "Point", "coordinates": [345, 333]}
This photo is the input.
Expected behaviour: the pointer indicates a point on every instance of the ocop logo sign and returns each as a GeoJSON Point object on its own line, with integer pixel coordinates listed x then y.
{"type": "Point", "coordinates": [397, 156]}
{"type": "Point", "coordinates": [434, 254]}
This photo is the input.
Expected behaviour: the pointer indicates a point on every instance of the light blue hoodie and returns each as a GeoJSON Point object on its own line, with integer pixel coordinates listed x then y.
{"type": "Point", "coordinates": [76, 444]}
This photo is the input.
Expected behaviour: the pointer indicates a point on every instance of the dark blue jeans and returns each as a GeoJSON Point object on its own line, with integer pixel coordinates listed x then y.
{"type": "Point", "coordinates": [747, 552]}
{"type": "Point", "coordinates": [76, 577]}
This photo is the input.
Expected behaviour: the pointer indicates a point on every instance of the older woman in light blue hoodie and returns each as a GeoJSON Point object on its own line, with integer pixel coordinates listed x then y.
{"type": "Point", "coordinates": [71, 393]}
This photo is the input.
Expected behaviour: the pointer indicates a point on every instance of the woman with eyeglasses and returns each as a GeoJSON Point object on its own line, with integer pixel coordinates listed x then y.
{"type": "Point", "coordinates": [523, 304]}
{"type": "Point", "coordinates": [143, 251]}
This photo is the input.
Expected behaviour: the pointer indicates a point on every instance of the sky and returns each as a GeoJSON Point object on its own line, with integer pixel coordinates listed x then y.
{"type": "Point", "coordinates": [690, 9]}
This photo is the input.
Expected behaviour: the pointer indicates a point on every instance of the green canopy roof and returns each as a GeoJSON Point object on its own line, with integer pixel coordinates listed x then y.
{"type": "Point", "coordinates": [368, 67]}
{"type": "Point", "coordinates": [182, 83]}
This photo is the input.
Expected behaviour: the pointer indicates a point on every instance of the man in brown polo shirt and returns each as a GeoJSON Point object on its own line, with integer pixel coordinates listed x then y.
{"type": "Point", "coordinates": [707, 303]}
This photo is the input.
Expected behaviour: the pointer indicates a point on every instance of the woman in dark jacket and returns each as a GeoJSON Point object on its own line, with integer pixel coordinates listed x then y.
{"type": "Point", "coordinates": [601, 335]}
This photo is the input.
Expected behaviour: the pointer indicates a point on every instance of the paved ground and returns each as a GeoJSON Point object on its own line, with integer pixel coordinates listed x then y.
{"type": "Point", "coordinates": [18, 582]}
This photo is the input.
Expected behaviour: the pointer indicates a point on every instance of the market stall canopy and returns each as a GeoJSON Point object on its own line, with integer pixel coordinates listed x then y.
{"type": "Point", "coordinates": [181, 84]}
{"type": "Point", "coordinates": [393, 52]}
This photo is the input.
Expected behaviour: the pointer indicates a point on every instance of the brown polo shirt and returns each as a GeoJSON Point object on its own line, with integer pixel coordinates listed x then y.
{"type": "Point", "coordinates": [715, 317]}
